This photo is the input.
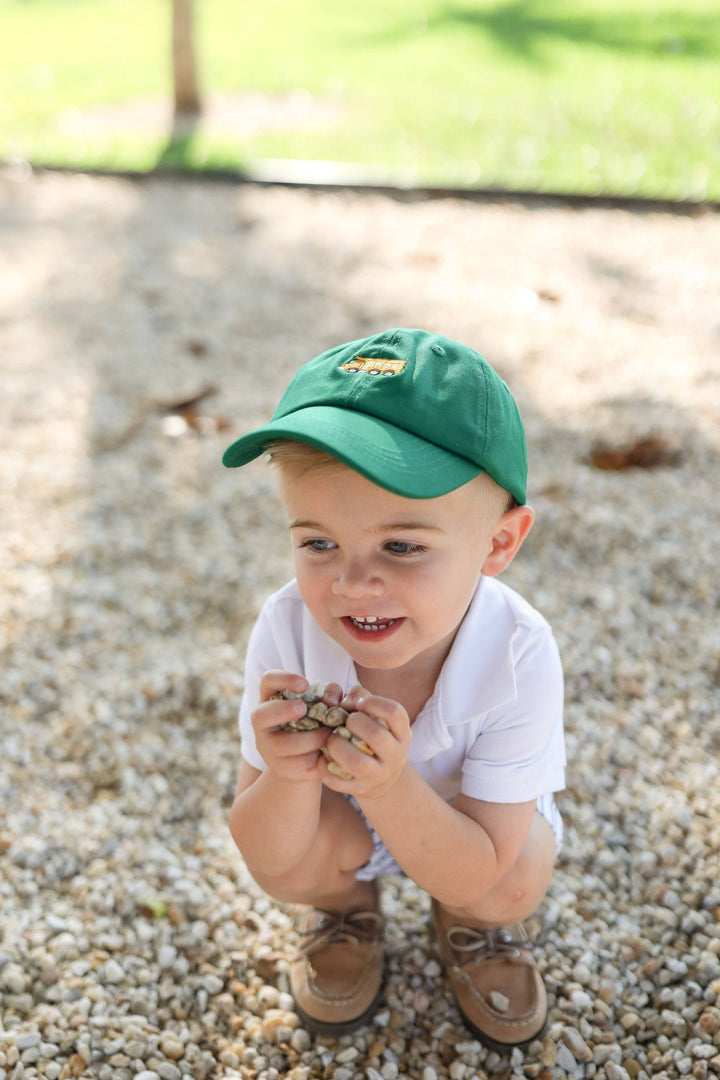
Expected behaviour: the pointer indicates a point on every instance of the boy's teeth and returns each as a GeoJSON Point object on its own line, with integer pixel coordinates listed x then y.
{"type": "Point", "coordinates": [371, 622]}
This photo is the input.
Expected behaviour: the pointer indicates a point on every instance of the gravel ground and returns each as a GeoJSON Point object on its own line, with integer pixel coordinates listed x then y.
{"type": "Point", "coordinates": [131, 564]}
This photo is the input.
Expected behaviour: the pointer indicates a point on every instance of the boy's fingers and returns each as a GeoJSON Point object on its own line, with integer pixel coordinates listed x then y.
{"type": "Point", "coordinates": [353, 697]}
{"type": "Point", "coordinates": [348, 757]}
{"type": "Point", "coordinates": [372, 730]}
{"type": "Point", "coordinates": [298, 743]}
{"type": "Point", "coordinates": [334, 775]}
{"type": "Point", "coordinates": [274, 681]}
{"type": "Point", "coordinates": [333, 694]}
{"type": "Point", "coordinates": [383, 710]}
{"type": "Point", "coordinates": [277, 713]}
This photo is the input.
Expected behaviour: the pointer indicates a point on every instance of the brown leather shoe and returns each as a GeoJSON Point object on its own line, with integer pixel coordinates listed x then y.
{"type": "Point", "coordinates": [336, 977]}
{"type": "Point", "coordinates": [499, 989]}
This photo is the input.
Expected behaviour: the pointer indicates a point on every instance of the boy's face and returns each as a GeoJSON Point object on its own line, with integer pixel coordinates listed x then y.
{"type": "Point", "coordinates": [389, 578]}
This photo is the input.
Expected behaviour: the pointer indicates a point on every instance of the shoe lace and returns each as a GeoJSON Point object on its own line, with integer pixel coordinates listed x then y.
{"type": "Point", "coordinates": [485, 944]}
{"type": "Point", "coordinates": [331, 928]}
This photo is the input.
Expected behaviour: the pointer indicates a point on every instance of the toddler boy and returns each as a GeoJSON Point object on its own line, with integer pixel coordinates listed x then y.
{"type": "Point", "coordinates": [402, 466]}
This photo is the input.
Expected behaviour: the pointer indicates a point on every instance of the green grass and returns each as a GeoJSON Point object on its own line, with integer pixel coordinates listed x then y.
{"type": "Point", "coordinates": [598, 97]}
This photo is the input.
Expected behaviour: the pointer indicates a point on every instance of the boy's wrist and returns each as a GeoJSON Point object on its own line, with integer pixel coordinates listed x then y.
{"type": "Point", "coordinates": [392, 790]}
{"type": "Point", "coordinates": [288, 783]}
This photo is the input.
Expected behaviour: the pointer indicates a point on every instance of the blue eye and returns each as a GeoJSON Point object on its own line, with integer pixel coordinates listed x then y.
{"type": "Point", "coordinates": [318, 544]}
{"type": "Point", "coordinates": [403, 547]}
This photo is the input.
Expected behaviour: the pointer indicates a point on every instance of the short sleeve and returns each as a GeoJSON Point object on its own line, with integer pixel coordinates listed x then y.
{"type": "Point", "coordinates": [262, 655]}
{"type": "Point", "coordinates": [520, 751]}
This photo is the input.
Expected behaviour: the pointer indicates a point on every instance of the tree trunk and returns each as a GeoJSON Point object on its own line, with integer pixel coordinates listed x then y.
{"type": "Point", "coordinates": [187, 93]}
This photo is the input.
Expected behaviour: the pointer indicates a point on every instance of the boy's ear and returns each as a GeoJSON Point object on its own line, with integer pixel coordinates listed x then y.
{"type": "Point", "coordinates": [511, 530]}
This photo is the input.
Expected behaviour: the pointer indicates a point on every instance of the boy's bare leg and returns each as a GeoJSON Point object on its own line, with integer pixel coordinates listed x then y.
{"type": "Point", "coordinates": [336, 974]}
{"type": "Point", "coordinates": [521, 891]}
{"type": "Point", "coordinates": [326, 877]}
{"type": "Point", "coordinates": [488, 954]}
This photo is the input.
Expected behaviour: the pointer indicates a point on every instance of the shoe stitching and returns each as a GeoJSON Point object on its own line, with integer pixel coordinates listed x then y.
{"type": "Point", "coordinates": [496, 1017]}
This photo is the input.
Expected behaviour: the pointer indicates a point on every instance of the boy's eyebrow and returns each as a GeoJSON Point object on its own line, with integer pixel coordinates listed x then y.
{"type": "Point", "coordinates": [396, 526]}
{"type": "Point", "coordinates": [406, 526]}
{"type": "Point", "coordinates": [299, 524]}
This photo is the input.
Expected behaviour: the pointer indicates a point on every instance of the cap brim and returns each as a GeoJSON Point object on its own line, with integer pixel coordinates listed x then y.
{"type": "Point", "coordinates": [389, 456]}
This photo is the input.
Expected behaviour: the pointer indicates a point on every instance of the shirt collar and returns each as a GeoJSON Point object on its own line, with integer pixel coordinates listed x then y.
{"type": "Point", "coordinates": [477, 676]}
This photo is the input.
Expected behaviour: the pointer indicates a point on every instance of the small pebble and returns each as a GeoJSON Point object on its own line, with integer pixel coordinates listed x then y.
{"type": "Point", "coordinates": [565, 1059]}
{"type": "Point", "coordinates": [616, 1072]}
{"type": "Point", "coordinates": [13, 979]}
{"type": "Point", "coordinates": [28, 1040]}
{"type": "Point", "coordinates": [113, 972]}
{"type": "Point", "coordinates": [576, 1045]}
{"type": "Point", "coordinates": [171, 1047]}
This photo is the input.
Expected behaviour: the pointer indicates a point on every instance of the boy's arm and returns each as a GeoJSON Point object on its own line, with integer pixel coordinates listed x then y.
{"type": "Point", "coordinates": [457, 852]}
{"type": "Point", "coordinates": [275, 814]}
{"type": "Point", "coordinates": [273, 820]}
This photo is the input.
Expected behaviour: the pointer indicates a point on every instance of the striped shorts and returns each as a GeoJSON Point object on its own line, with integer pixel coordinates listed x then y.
{"type": "Point", "coordinates": [381, 862]}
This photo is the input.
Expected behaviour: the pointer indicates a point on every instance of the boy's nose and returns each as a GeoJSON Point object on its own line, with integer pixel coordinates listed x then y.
{"type": "Point", "coordinates": [356, 581]}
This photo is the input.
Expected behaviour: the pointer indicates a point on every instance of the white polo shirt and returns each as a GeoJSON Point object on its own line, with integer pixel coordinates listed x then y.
{"type": "Point", "coordinates": [493, 727]}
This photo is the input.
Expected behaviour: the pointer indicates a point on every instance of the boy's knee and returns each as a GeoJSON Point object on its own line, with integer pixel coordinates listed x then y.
{"type": "Point", "coordinates": [514, 892]}
{"type": "Point", "coordinates": [292, 887]}
{"type": "Point", "coordinates": [517, 895]}
{"type": "Point", "coordinates": [319, 885]}
{"type": "Point", "coordinates": [343, 844]}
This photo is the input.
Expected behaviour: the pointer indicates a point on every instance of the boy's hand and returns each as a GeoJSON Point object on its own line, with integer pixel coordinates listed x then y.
{"type": "Point", "coordinates": [292, 755]}
{"type": "Point", "coordinates": [384, 726]}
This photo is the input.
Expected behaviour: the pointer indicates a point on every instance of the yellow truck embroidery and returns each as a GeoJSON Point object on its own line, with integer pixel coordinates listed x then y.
{"type": "Point", "coordinates": [374, 365]}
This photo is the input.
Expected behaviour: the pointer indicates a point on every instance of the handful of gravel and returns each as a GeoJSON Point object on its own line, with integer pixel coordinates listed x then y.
{"type": "Point", "coordinates": [318, 715]}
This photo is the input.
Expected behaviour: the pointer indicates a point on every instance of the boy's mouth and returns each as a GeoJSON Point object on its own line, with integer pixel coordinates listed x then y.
{"type": "Point", "coordinates": [370, 626]}
{"type": "Point", "coordinates": [371, 623]}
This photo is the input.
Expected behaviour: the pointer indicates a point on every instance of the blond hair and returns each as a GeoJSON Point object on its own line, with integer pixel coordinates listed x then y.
{"type": "Point", "coordinates": [299, 454]}
{"type": "Point", "coordinates": [306, 457]}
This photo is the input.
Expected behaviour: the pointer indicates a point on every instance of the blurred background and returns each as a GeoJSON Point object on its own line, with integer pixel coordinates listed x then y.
{"type": "Point", "coordinates": [613, 97]}
{"type": "Point", "coordinates": [146, 323]}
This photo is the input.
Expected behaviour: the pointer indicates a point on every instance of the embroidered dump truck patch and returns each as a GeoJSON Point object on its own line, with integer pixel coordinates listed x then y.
{"type": "Point", "coordinates": [374, 365]}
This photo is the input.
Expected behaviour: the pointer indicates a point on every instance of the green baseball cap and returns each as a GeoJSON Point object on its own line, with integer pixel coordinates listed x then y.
{"type": "Point", "coordinates": [415, 412]}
